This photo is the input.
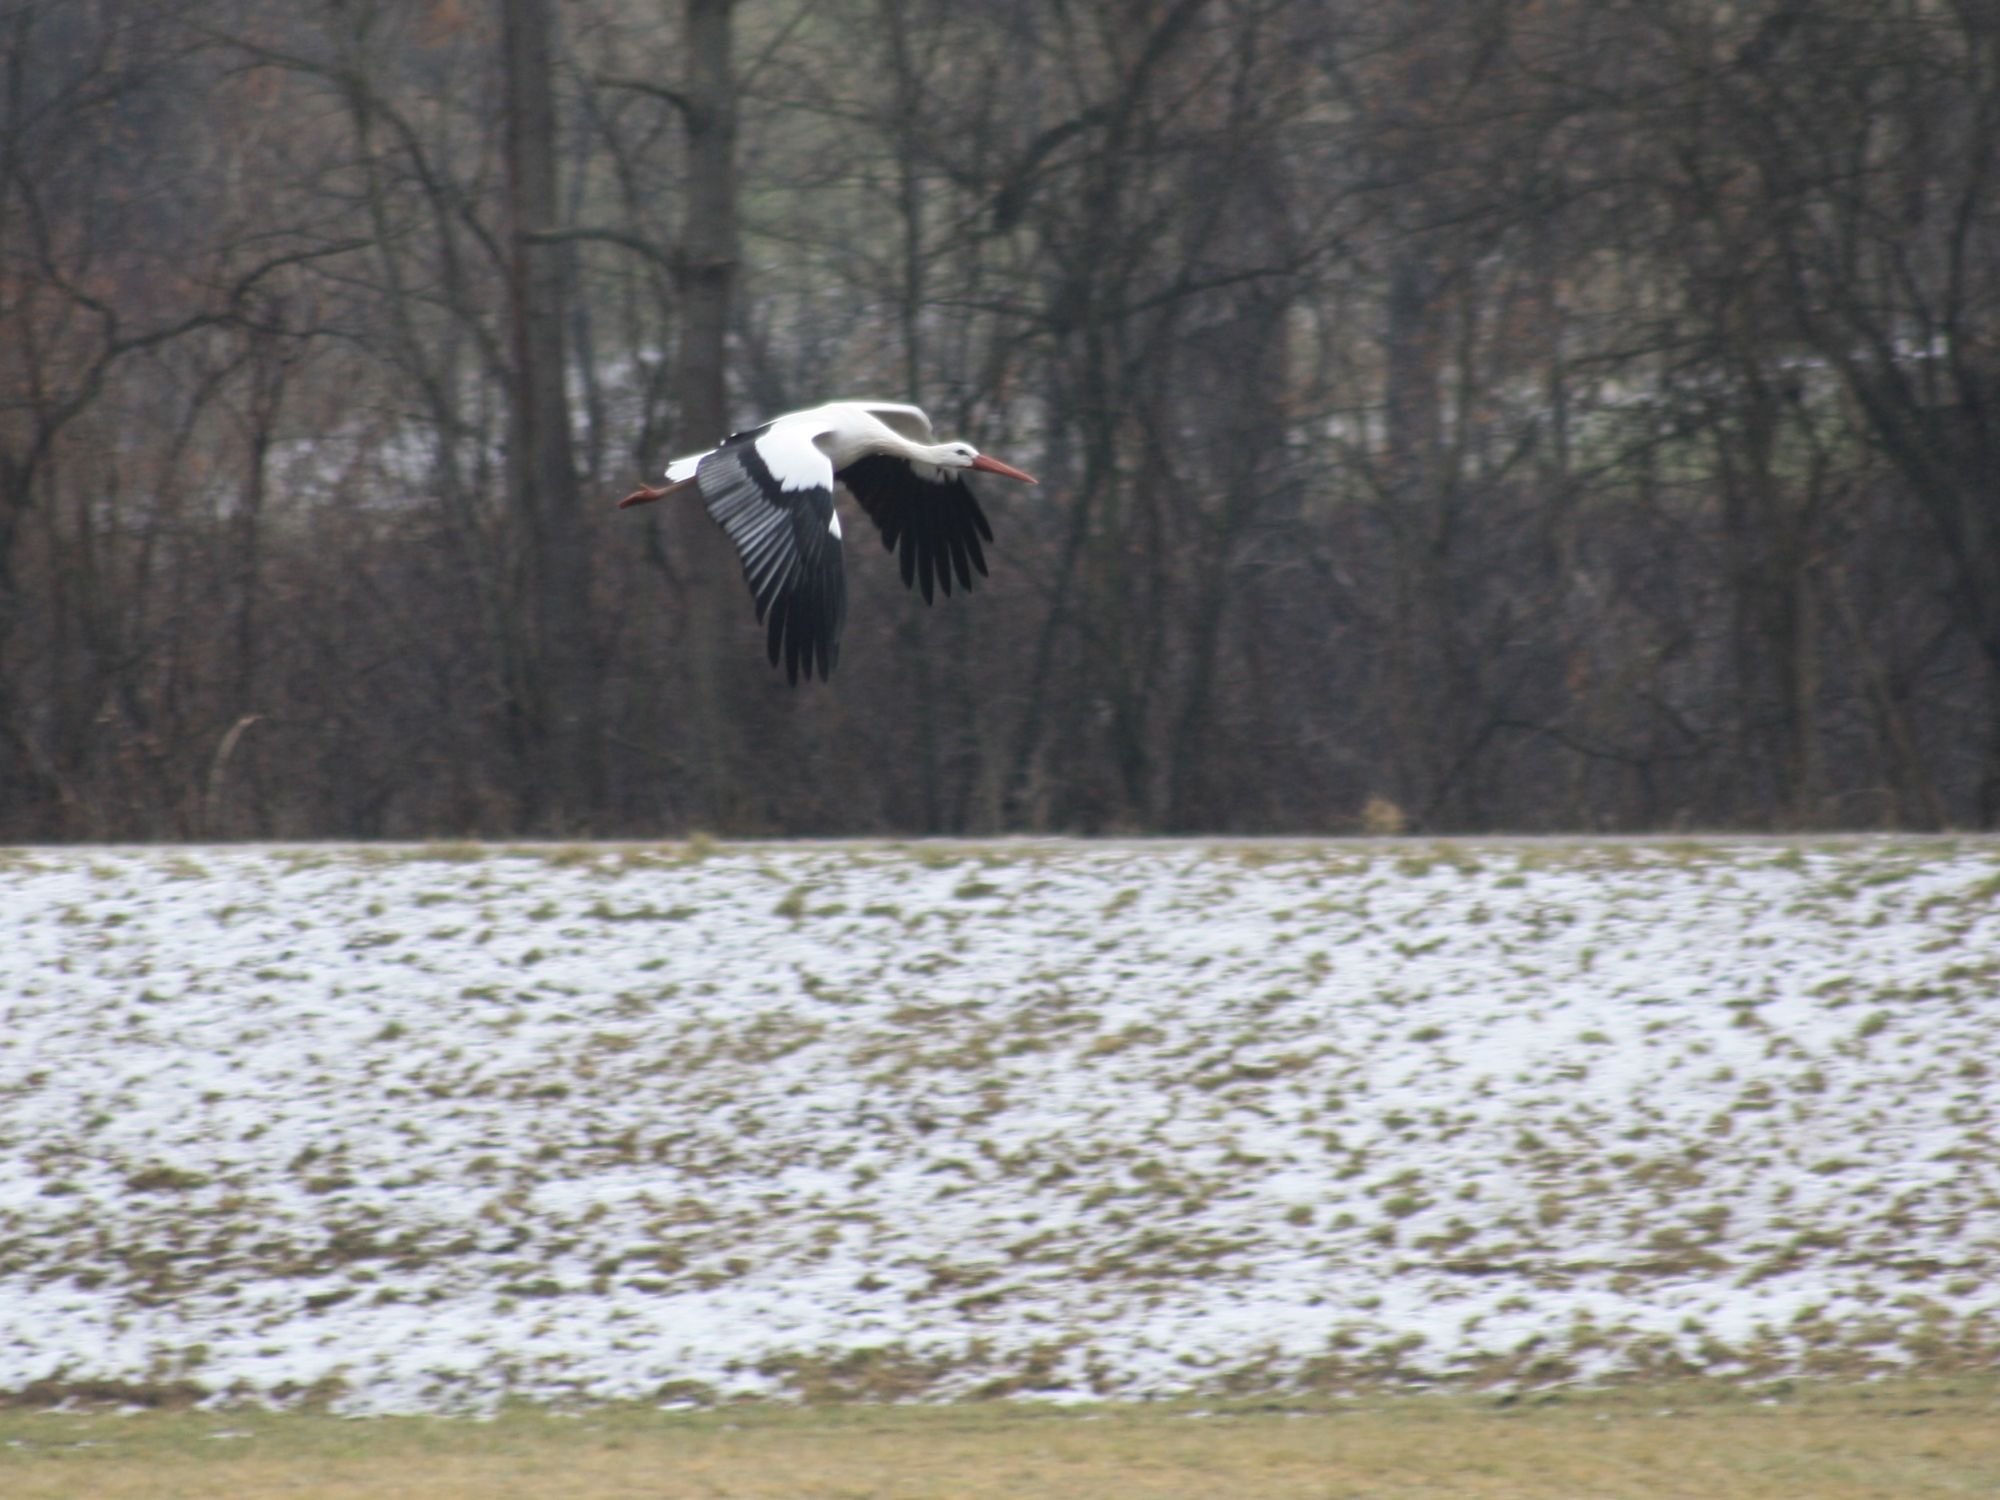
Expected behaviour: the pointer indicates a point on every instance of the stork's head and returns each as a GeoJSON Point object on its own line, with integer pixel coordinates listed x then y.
{"type": "Point", "coordinates": [965, 456]}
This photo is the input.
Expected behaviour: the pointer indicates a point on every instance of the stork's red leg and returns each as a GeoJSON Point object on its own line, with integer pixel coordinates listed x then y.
{"type": "Point", "coordinates": [650, 492]}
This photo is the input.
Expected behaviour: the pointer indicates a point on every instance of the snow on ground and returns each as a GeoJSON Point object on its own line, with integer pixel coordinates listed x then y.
{"type": "Point", "coordinates": [421, 1128]}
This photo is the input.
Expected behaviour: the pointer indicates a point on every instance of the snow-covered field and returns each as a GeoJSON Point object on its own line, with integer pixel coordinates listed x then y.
{"type": "Point", "coordinates": [407, 1128]}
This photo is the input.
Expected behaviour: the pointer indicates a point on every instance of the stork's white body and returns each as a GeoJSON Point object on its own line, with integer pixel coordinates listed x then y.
{"type": "Point", "coordinates": [800, 445]}
{"type": "Point", "coordinates": [772, 489]}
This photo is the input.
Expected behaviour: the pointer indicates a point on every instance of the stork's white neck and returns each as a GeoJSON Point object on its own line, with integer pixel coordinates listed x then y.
{"type": "Point", "coordinates": [844, 446]}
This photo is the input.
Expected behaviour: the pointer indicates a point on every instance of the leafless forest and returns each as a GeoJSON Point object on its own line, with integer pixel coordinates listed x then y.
{"type": "Point", "coordinates": [1452, 414]}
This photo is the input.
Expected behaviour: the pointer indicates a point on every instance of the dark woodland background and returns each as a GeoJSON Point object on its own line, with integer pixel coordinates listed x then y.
{"type": "Point", "coordinates": [1452, 414]}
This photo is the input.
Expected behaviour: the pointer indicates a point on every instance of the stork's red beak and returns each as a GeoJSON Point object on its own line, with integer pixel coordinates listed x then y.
{"type": "Point", "coordinates": [641, 495]}
{"type": "Point", "coordinates": [994, 466]}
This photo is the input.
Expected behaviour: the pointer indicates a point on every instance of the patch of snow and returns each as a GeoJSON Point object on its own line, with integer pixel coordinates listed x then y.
{"type": "Point", "coordinates": [430, 1128]}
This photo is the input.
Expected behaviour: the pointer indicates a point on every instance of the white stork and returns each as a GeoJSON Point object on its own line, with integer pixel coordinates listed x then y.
{"type": "Point", "coordinates": [771, 489]}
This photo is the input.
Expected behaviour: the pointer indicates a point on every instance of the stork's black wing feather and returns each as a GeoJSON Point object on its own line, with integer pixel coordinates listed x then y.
{"type": "Point", "coordinates": [790, 551]}
{"type": "Point", "coordinates": [934, 525]}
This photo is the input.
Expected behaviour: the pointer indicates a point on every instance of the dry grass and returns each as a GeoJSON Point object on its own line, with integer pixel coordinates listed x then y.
{"type": "Point", "coordinates": [1895, 1441]}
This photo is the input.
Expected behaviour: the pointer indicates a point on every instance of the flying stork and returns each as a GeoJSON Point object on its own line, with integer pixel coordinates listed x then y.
{"type": "Point", "coordinates": [771, 489]}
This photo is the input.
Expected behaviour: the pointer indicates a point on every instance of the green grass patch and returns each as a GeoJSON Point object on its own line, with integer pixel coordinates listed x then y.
{"type": "Point", "coordinates": [1910, 1440]}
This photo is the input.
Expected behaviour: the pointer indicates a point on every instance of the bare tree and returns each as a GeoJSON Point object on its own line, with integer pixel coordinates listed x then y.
{"type": "Point", "coordinates": [1459, 416]}
{"type": "Point", "coordinates": [558, 696]}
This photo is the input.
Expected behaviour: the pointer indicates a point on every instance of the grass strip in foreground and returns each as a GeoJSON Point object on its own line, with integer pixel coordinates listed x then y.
{"type": "Point", "coordinates": [1892, 1440]}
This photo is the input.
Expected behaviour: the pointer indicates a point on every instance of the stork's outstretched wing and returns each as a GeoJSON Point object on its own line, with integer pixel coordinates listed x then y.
{"type": "Point", "coordinates": [934, 524]}
{"type": "Point", "coordinates": [773, 494]}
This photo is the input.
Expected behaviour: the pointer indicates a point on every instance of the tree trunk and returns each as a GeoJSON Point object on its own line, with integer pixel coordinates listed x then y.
{"type": "Point", "coordinates": [705, 276]}
{"type": "Point", "coordinates": [563, 772]}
